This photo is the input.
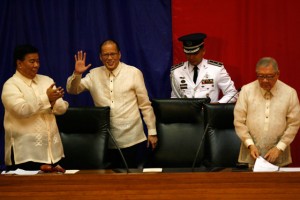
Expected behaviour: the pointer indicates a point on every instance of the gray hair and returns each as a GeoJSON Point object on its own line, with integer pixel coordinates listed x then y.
{"type": "Point", "coordinates": [266, 61]}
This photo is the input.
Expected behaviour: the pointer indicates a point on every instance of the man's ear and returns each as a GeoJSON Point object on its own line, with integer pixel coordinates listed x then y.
{"type": "Point", "coordinates": [204, 51]}
{"type": "Point", "coordinates": [19, 64]}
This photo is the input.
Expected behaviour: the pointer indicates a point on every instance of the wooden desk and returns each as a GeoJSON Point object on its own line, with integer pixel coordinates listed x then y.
{"type": "Point", "coordinates": [108, 185]}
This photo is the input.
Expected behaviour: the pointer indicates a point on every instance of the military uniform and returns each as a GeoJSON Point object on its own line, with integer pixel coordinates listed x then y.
{"type": "Point", "coordinates": [212, 78]}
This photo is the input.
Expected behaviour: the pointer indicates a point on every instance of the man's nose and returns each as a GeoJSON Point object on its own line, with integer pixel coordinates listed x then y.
{"type": "Point", "coordinates": [36, 64]}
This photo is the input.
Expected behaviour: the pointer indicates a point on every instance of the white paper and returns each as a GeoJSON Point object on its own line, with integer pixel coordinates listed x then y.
{"type": "Point", "coordinates": [71, 171]}
{"type": "Point", "coordinates": [21, 172]}
{"type": "Point", "coordinates": [261, 165]}
{"type": "Point", "coordinates": [289, 169]}
{"type": "Point", "coordinates": [152, 170]}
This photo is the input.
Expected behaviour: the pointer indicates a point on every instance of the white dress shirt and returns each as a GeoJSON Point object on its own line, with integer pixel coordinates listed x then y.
{"type": "Point", "coordinates": [29, 122]}
{"type": "Point", "coordinates": [124, 91]}
{"type": "Point", "coordinates": [267, 120]}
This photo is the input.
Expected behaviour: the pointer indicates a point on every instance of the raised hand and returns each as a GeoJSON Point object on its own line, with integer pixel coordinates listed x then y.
{"type": "Point", "coordinates": [80, 66]}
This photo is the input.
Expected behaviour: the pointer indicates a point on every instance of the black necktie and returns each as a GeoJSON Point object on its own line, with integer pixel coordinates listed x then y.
{"type": "Point", "coordinates": [195, 74]}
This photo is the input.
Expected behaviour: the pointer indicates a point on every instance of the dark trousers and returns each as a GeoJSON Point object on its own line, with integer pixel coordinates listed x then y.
{"type": "Point", "coordinates": [26, 166]}
{"type": "Point", "coordinates": [130, 156]}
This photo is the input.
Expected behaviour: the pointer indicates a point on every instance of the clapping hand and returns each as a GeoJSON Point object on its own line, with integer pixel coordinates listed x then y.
{"type": "Point", "coordinates": [54, 93]}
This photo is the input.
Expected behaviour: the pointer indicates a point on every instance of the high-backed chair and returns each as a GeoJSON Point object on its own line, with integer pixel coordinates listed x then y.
{"type": "Point", "coordinates": [221, 141]}
{"type": "Point", "coordinates": [180, 127]}
{"type": "Point", "coordinates": [84, 134]}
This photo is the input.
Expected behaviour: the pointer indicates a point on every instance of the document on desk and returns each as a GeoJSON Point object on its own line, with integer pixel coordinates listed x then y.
{"type": "Point", "coordinates": [30, 172]}
{"type": "Point", "coordinates": [152, 170]}
{"type": "Point", "coordinates": [289, 169]}
{"type": "Point", "coordinates": [71, 171]}
{"type": "Point", "coordinates": [262, 165]}
{"type": "Point", "coordinates": [21, 172]}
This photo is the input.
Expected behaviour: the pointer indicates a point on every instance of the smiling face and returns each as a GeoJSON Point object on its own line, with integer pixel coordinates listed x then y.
{"type": "Point", "coordinates": [29, 66]}
{"type": "Point", "coordinates": [110, 55]}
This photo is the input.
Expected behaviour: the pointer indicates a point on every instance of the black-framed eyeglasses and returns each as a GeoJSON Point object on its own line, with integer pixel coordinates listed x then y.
{"type": "Point", "coordinates": [106, 55]}
{"type": "Point", "coordinates": [268, 76]}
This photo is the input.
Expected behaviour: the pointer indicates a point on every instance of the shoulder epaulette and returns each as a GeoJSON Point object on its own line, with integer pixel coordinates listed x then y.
{"type": "Point", "coordinates": [176, 66]}
{"type": "Point", "coordinates": [216, 63]}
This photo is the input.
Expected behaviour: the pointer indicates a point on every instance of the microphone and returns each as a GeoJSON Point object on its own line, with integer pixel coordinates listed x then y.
{"type": "Point", "coordinates": [121, 154]}
{"type": "Point", "coordinates": [208, 99]}
{"type": "Point", "coordinates": [199, 148]}
{"type": "Point", "coordinates": [238, 91]}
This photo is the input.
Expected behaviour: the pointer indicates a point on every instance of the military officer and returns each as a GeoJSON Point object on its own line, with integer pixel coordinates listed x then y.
{"type": "Point", "coordinates": [199, 77]}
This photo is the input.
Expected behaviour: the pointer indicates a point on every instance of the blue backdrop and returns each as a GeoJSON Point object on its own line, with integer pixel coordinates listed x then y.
{"type": "Point", "coordinates": [59, 28]}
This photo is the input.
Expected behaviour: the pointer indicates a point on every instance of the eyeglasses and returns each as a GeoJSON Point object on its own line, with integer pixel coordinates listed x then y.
{"type": "Point", "coordinates": [268, 77]}
{"type": "Point", "coordinates": [106, 55]}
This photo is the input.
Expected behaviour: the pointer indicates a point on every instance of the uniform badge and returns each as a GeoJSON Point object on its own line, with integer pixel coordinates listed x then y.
{"type": "Point", "coordinates": [183, 86]}
{"type": "Point", "coordinates": [207, 81]}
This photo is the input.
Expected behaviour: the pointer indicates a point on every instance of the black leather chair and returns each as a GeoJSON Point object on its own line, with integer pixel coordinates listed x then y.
{"type": "Point", "coordinates": [84, 134]}
{"type": "Point", "coordinates": [221, 142]}
{"type": "Point", "coordinates": [180, 127]}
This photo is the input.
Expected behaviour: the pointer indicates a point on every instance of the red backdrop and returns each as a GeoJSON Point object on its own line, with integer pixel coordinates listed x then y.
{"type": "Point", "coordinates": [242, 31]}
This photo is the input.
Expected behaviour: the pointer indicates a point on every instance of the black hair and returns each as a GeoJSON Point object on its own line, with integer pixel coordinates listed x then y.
{"type": "Point", "coordinates": [21, 51]}
{"type": "Point", "coordinates": [109, 41]}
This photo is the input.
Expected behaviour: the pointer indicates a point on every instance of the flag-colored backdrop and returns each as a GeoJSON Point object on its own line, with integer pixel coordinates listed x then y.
{"type": "Point", "coordinates": [242, 31]}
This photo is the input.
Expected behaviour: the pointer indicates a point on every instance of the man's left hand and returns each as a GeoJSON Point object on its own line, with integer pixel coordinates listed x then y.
{"type": "Point", "coordinates": [152, 140]}
{"type": "Point", "coordinates": [273, 154]}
